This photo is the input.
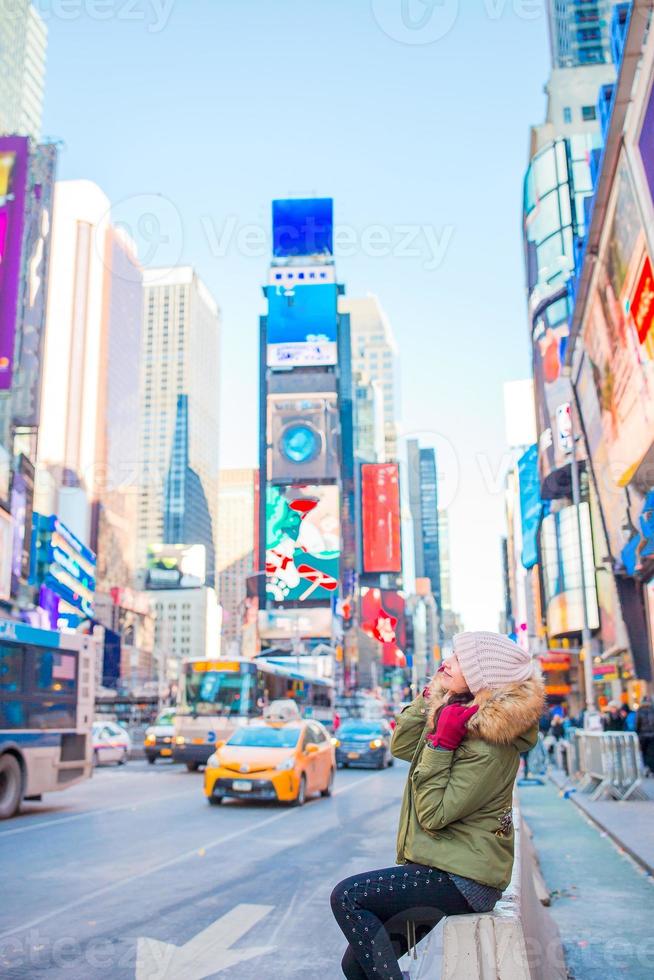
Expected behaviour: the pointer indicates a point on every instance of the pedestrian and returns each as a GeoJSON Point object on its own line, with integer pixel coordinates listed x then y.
{"type": "Point", "coordinates": [645, 732]}
{"type": "Point", "coordinates": [463, 737]}
{"type": "Point", "coordinates": [613, 720]}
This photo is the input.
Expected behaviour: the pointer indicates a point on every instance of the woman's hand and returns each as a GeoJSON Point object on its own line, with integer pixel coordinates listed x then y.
{"type": "Point", "coordinates": [451, 726]}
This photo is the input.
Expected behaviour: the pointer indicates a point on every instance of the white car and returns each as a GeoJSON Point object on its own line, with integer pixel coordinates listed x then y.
{"type": "Point", "coordinates": [111, 743]}
{"type": "Point", "coordinates": [158, 739]}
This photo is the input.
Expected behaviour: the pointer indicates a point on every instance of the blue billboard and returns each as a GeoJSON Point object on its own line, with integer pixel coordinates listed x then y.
{"type": "Point", "coordinates": [531, 505]}
{"type": "Point", "coordinates": [301, 325]}
{"type": "Point", "coordinates": [303, 227]}
{"type": "Point", "coordinates": [63, 568]}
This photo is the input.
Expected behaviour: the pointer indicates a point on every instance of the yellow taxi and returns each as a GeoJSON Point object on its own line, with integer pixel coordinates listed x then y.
{"type": "Point", "coordinates": [272, 760]}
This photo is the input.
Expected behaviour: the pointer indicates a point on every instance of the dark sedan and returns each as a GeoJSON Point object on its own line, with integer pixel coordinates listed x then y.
{"type": "Point", "coordinates": [363, 743]}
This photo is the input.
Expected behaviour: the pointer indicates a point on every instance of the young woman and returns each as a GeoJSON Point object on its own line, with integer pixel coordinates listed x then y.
{"type": "Point", "coordinates": [463, 737]}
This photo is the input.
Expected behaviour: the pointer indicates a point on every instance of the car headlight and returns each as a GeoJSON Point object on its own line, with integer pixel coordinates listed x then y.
{"type": "Point", "coordinates": [213, 761]}
{"type": "Point", "coordinates": [150, 739]}
{"type": "Point", "coordinates": [376, 743]}
{"type": "Point", "coordinates": [287, 763]}
{"type": "Point", "coordinates": [336, 742]}
{"type": "Point", "coordinates": [179, 740]}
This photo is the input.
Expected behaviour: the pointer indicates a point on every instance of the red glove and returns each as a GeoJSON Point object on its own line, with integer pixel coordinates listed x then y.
{"type": "Point", "coordinates": [452, 726]}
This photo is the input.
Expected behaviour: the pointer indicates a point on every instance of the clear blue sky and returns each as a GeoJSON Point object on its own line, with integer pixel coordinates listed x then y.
{"type": "Point", "coordinates": [200, 112]}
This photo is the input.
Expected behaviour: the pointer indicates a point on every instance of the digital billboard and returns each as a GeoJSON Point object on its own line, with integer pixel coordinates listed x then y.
{"type": "Point", "coordinates": [176, 566]}
{"type": "Point", "coordinates": [380, 506]}
{"type": "Point", "coordinates": [39, 199]}
{"type": "Point", "coordinates": [13, 178]}
{"type": "Point", "coordinates": [303, 431]}
{"type": "Point", "coordinates": [62, 567]}
{"type": "Point", "coordinates": [302, 543]}
{"type": "Point", "coordinates": [383, 618]}
{"type": "Point", "coordinates": [295, 624]}
{"type": "Point", "coordinates": [303, 227]}
{"type": "Point", "coordinates": [531, 505]}
{"type": "Point", "coordinates": [301, 325]}
{"type": "Point", "coordinates": [561, 563]}
{"type": "Point", "coordinates": [618, 317]}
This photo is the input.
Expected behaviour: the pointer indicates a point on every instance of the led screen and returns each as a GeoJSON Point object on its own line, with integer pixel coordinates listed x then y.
{"type": "Point", "coordinates": [303, 227]}
{"type": "Point", "coordinates": [380, 505]}
{"type": "Point", "coordinates": [301, 325]}
{"type": "Point", "coordinates": [302, 543]}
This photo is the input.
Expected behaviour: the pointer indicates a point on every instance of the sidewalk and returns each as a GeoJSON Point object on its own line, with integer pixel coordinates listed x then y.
{"type": "Point", "coordinates": [630, 824]}
{"type": "Point", "coordinates": [602, 903]}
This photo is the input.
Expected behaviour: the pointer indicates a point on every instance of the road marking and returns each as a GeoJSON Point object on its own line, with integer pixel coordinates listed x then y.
{"type": "Point", "coordinates": [207, 953]}
{"type": "Point", "coordinates": [92, 813]}
{"type": "Point", "coordinates": [171, 862]}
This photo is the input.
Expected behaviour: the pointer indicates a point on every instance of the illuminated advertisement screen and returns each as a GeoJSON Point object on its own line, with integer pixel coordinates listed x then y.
{"type": "Point", "coordinates": [562, 571]}
{"type": "Point", "coordinates": [62, 565]}
{"type": "Point", "coordinates": [176, 566]}
{"type": "Point", "coordinates": [380, 505]}
{"type": "Point", "coordinates": [13, 177]}
{"type": "Point", "coordinates": [301, 325]}
{"type": "Point", "coordinates": [618, 336]}
{"type": "Point", "coordinates": [383, 618]}
{"type": "Point", "coordinates": [302, 543]}
{"type": "Point", "coordinates": [303, 227]}
{"type": "Point", "coordinates": [290, 624]}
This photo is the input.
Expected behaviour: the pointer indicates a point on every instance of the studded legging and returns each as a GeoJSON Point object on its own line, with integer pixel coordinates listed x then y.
{"type": "Point", "coordinates": [379, 911]}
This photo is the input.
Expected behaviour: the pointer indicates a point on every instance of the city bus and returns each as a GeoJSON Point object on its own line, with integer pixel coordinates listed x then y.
{"type": "Point", "coordinates": [47, 682]}
{"type": "Point", "coordinates": [217, 695]}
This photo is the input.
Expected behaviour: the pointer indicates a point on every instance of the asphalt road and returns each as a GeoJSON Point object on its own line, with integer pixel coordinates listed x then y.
{"type": "Point", "coordinates": [106, 879]}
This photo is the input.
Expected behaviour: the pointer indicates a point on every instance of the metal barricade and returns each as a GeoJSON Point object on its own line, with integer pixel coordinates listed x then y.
{"type": "Point", "coordinates": [607, 763]}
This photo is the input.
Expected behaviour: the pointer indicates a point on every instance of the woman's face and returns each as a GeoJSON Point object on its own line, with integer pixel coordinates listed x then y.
{"type": "Point", "coordinates": [451, 676]}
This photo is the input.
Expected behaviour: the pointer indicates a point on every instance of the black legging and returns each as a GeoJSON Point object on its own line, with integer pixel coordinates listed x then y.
{"type": "Point", "coordinates": [375, 909]}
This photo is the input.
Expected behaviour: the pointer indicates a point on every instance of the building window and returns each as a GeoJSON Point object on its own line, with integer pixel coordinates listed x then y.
{"type": "Point", "coordinates": [567, 114]}
{"type": "Point", "coordinates": [588, 113]}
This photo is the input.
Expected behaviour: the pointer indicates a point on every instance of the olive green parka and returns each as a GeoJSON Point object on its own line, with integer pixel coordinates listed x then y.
{"type": "Point", "coordinates": [457, 808]}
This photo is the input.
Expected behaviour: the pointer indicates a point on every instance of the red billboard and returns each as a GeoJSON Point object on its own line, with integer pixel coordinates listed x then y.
{"type": "Point", "coordinates": [383, 618]}
{"type": "Point", "coordinates": [380, 505]}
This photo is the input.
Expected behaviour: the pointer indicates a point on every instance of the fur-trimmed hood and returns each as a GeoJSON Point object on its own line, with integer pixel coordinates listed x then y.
{"type": "Point", "coordinates": [505, 714]}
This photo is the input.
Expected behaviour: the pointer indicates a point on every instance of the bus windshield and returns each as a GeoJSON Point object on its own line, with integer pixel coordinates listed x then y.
{"type": "Point", "coordinates": [217, 692]}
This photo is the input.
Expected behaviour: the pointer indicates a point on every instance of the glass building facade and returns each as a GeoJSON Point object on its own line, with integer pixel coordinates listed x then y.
{"type": "Point", "coordinates": [579, 32]}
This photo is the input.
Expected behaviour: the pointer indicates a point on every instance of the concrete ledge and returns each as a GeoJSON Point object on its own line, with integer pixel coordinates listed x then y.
{"type": "Point", "coordinates": [518, 940]}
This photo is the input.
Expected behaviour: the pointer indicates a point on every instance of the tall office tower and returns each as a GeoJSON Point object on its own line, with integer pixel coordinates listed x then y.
{"type": "Point", "coordinates": [87, 450]}
{"type": "Point", "coordinates": [368, 419]}
{"type": "Point", "coordinates": [374, 354]}
{"type": "Point", "coordinates": [180, 357]}
{"type": "Point", "coordinates": [423, 503]}
{"type": "Point", "coordinates": [186, 624]}
{"type": "Point", "coordinates": [444, 553]}
{"type": "Point", "coordinates": [23, 44]}
{"type": "Point", "coordinates": [187, 518]}
{"type": "Point", "coordinates": [238, 499]}
{"type": "Point", "coordinates": [113, 533]}
{"type": "Point", "coordinates": [579, 32]}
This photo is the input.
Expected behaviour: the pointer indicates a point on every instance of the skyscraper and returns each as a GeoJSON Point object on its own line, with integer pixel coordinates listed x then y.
{"type": "Point", "coordinates": [87, 448]}
{"type": "Point", "coordinates": [187, 519]}
{"type": "Point", "coordinates": [423, 502]}
{"type": "Point", "coordinates": [238, 500]}
{"type": "Point", "coordinates": [374, 354]}
{"type": "Point", "coordinates": [579, 32]}
{"type": "Point", "coordinates": [180, 357]}
{"type": "Point", "coordinates": [23, 44]}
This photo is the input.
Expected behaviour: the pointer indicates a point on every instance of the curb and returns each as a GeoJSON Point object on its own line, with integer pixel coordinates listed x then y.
{"type": "Point", "coordinates": [640, 861]}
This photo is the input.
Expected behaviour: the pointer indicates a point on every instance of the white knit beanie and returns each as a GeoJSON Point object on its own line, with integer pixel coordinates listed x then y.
{"type": "Point", "coordinates": [491, 660]}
